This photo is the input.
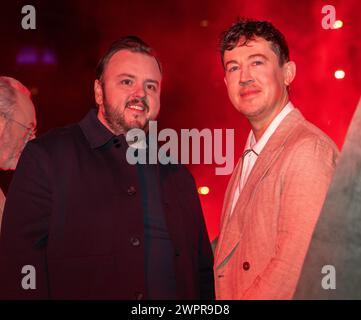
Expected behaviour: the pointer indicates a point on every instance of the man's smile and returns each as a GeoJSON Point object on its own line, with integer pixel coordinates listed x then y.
{"type": "Point", "coordinates": [249, 93]}
{"type": "Point", "coordinates": [136, 108]}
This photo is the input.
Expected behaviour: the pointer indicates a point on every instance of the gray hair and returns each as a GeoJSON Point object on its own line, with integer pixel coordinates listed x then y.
{"type": "Point", "coordinates": [9, 88]}
{"type": "Point", "coordinates": [7, 96]}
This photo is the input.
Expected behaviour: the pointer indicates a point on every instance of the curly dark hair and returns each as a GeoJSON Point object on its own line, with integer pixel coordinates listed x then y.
{"type": "Point", "coordinates": [131, 43]}
{"type": "Point", "coordinates": [248, 29]}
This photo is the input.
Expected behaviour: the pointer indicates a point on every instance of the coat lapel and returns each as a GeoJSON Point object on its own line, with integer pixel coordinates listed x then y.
{"type": "Point", "coordinates": [233, 224]}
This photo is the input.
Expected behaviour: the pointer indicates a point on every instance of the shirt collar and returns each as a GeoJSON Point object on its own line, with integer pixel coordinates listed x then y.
{"type": "Point", "coordinates": [259, 145]}
{"type": "Point", "coordinates": [95, 132]}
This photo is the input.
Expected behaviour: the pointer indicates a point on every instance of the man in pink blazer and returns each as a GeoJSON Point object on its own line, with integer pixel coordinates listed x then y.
{"type": "Point", "coordinates": [276, 192]}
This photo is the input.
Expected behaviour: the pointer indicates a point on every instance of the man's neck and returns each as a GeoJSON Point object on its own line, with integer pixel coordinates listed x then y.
{"type": "Point", "coordinates": [259, 126]}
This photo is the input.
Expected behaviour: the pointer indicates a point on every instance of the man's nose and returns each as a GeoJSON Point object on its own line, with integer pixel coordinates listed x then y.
{"type": "Point", "coordinates": [245, 77]}
{"type": "Point", "coordinates": [139, 91]}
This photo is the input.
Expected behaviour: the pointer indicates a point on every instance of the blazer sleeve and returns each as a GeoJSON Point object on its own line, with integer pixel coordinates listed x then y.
{"type": "Point", "coordinates": [25, 225]}
{"type": "Point", "coordinates": [304, 186]}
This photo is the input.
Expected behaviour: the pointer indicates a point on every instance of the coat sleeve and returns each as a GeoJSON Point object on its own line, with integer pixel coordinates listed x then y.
{"type": "Point", "coordinates": [304, 186]}
{"type": "Point", "coordinates": [24, 230]}
{"type": "Point", "coordinates": [205, 264]}
{"type": "Point", "coordinates": [205, 253]}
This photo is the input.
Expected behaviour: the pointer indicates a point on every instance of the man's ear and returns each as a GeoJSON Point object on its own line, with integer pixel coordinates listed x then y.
{"type": "Point", "coordinates": [225, 81]}
{"type": "Point", "coordinates": [98, 92]}
{"type": "Point", "coordinates": [2, 130]}
{"type": "Point", "coordinates": [289, 74]}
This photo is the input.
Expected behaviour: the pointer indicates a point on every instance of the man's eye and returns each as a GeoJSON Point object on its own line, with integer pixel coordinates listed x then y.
{"type": "Point", "coordinates": [151, 87]}
{"type": "Point", "coordinates": [257, 63]}
{"type": "Point", "coordinates": [126, 82]}
{"type": "Point", "coordinates": [233, 68]}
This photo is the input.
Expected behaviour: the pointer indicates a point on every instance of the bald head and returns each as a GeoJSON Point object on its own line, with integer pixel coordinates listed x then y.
{"type": "Point", "coordinates": [17, 121]}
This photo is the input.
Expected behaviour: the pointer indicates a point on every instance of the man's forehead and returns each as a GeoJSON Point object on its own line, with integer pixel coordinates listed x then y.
{"type": "Point", "coordinates": [133, 61]}
{"type": "Point", "coordinates": [253, 46]}
{"type": "Point", "coordinates": [254, 42]}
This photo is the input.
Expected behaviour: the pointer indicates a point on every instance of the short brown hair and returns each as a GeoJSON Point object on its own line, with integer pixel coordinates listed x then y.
{"type": "Point", "coordinates": [131, 43]}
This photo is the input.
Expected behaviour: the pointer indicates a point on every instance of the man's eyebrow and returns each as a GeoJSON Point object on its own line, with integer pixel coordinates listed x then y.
{"type": "Point", "coordinates": [152, 81]}
{"type": "Point", "coordinates": [126, 75]}
{"type": "Point", "coordinates": [230, 61]}
{"type": "Point", "coordinates": [258, 55]}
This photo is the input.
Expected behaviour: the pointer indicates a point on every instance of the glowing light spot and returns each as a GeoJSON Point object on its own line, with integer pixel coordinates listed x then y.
{"type": "Point", "coordinates": [49, 57]}
{"type": "Point", "coordinates": [339, 74]}
{"type": "Point", "coordinates": [338, 24]}
{"type": "Point", "coordinates": [203, 190]}
{"type": "Point", "coordinates": [204, 23]}
{"type": "Point", "coordinates": [27, 56]}
{"type": "Point", "coordinates": [33, 55]}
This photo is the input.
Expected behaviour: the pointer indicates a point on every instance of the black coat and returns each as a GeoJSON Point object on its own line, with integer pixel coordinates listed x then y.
{"type": "Point", "coordinates": [74, 212]}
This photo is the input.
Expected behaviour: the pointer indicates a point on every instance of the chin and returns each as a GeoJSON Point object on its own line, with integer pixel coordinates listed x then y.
{"type": "Point", "coordinates": [248, 110]}
{"type": "Point", "coordinates": [136, 124]}
{"type": "Point", "coordinates": [13, 166]}
{"type": "Point", "coordinates": [8, 167]}
{"type": "Point", "coordinates": [12, 163]}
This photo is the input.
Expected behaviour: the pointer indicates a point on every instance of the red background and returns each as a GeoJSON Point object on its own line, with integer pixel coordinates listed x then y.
{"type": "Point", "coordinates": [185, 35]}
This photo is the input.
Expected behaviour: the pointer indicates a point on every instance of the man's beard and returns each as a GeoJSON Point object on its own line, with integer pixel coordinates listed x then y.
{"type": "Point", "coordinates": [116, 119]}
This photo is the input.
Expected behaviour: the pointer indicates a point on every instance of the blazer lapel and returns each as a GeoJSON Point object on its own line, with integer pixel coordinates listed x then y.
{"type": "Point", "coordinates": [233, 224]}
{"type": "Point", "coordinates": [219, 253]}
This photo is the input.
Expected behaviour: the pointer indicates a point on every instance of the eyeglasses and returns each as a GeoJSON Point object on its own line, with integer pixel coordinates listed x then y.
{"type": "Point", "coordinates": [31, 132]}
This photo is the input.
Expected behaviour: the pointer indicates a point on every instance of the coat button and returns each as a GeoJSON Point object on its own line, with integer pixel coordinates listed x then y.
{"type": "Point", "coordinates": [135, 242]}
{"type": "Point", "coordinates": [246, 266]}
{"type": "Point", "coordinates": [131, 190]}
{"type": "Point", "coordinates": [139, 296]}
{"type": "Point", "coordinates": [116, 140]}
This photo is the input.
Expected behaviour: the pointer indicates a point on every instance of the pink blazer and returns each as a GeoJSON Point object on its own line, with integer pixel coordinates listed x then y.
{"type": "Point", "coordinates": [262, 245]}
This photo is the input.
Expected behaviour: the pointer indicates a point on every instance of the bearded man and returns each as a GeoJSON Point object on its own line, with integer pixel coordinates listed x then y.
{"type": "Point", "coordinates": [82, 223]}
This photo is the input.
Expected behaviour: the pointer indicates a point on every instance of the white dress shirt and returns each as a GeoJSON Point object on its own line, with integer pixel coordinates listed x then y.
{"type": "Point", "coordinates": [254, 148]}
